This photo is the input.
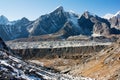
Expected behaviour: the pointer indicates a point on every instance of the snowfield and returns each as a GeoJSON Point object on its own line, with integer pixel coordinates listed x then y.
{"type": "Point", "coordinates": [53, 44]}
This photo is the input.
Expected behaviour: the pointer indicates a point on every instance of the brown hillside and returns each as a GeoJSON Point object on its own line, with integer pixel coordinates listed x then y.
{"type": "Point", "coordinates": [104, 66]}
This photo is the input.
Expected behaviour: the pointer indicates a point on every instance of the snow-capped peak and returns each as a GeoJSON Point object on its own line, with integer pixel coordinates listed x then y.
{"type": "Point", "coordinates": [58, 9]}
{"type": "Point", "coordinates": [117, 14]}
{"type": "Point", "coordinates": [71, 11]}
{"type": "Point", "coordinates": [3, 20]}
{"type": "Point", "coordinates": [108, 16]}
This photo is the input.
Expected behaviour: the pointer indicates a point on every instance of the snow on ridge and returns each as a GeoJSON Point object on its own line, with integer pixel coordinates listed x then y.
{"type": "Point", "coordinates": [74, 20]}
{"type": "Point", "coordinates": [58, 7]}
{"type": "Point", "coordinates": [71, 11]}
{"type": "Point", "coordinates": [117, 14]}
{"type": "Point", "coordinates": [108, 16]}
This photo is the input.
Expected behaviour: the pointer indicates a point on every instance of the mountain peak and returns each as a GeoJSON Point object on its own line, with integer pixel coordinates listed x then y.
{"type": "Point", "coordinates": [24, 19]}
{"type": "Point", "coordinates": [3, 20]}
{"type": "Point", "coordinates": [87, 14]}
{"type": "Point", "coordinates": [3, 17]}
{"type": "Point", "coordinates": [59, 9]}
{"type": "Point", "coordinates": [108, 16]}
{"type": "Point", "coordinates": [117, 14]}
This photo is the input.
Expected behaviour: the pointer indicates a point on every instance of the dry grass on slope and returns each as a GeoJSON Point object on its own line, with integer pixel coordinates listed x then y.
{"type": "Point", "coordinates": [103, 66]}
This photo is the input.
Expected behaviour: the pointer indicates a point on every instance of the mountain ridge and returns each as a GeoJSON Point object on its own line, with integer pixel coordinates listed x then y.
{"type": "Point", "coordinates": [61, 24]}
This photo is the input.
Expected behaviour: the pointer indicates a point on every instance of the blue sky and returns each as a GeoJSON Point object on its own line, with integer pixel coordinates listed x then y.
{"type": "Point", "coordinates": [32, 9]}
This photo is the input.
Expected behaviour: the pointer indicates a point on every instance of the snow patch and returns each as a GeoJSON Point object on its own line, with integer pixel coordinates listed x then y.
{"type": "Point", "coordinates": [74, 20]}
{"type": "Point", "coordinates": [96, 35]}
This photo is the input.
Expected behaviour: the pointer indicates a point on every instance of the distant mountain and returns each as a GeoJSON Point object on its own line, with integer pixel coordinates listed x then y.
{"type": "Point", "coordinates": [60, 24]}
{"type": "Point", "coordinates": [3, 20]}
{"type": "Point", "coordinates": [115, 21]}
{"type": "Point", "coordinates": [93, 25]}
{"type": "Point", "coordinates": [14, 29]}
{"type": "Point", "coordinates": [108, 16]}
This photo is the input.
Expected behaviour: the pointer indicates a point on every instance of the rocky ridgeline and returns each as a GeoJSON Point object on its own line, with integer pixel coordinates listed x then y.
{"type": "Point", "coordinates": [61, 24]}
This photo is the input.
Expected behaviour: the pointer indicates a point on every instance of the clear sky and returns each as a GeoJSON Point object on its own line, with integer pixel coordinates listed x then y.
{"type": "Point", "coordinates": [32, 9]}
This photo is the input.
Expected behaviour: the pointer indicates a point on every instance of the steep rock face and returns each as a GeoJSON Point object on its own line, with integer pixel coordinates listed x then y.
{"type": "Point", "coordinates": [92, 24]}
{"type": "Point", "coordinates": [21, 28]}
{"type": "Point", "coordinates": [3, 33]}
{"type": "Point", "coordinates": [115, 21]}
{"type": "Point", "coordinates": [69, 29]}
{"type": "Point", "coordinates": [18, 29]}
{"type": "Point", "coordinates": [3, 45]}
{"type": "Point", "coordinates": [49, 23]}
{"type": "Point", "coordinates": [101, 29]}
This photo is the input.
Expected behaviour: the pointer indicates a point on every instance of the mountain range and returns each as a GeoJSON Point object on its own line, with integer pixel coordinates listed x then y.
{"type": "Point", "coordinates": [60, 24]}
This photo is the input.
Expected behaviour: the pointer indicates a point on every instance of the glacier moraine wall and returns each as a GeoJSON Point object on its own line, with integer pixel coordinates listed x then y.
{"type": "Point", "coordinates": [57, 49]}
